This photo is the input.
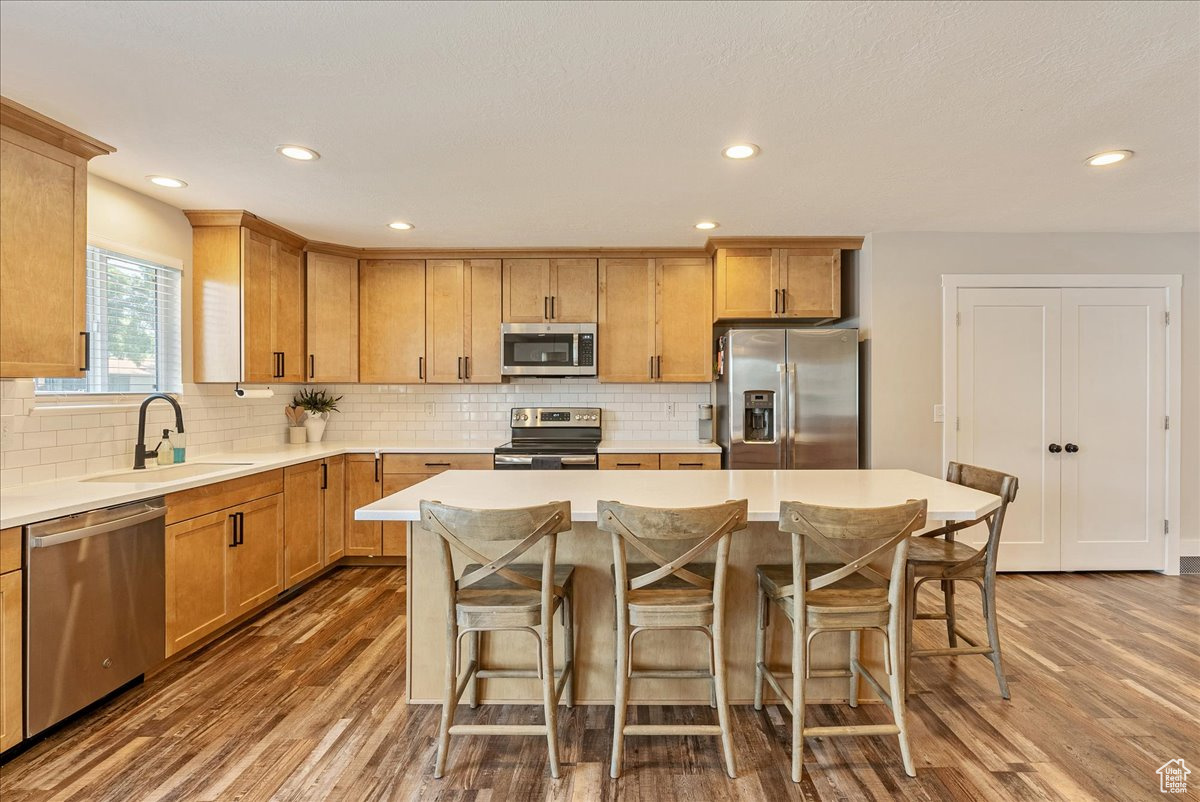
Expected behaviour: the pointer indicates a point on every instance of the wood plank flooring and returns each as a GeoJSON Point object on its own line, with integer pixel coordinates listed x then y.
{"type": "Point", "coordinates": [306, 703]}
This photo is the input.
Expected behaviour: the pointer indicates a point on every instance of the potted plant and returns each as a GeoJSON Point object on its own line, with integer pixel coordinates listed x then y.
{"type": "Point", "coordinates": [318, 404]}
{"type": "Point", "coordinates": [296, 430]}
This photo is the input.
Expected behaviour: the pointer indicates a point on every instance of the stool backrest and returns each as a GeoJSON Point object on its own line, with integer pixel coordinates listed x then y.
{"type": "Point", "coordinates": [529, 525]}
{"type": "Point", "coordinates": [701, 527]}
{"type": "Point", "coordinates": [835, 526]}
{"type": "Point", "coordinates": [989, 481]}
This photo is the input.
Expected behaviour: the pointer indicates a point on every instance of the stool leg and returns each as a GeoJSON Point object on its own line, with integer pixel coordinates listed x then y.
{"type": "Point", "coordinates": [449, 700]}
{"type": "Point", "coordinates": [989, 614]}
{"type": "Point", "coordinates": [951, 621]}
{"type": "Point", "coordinates": [855, 657]}
{"type": "Point", "coordinates": [896, 682]}
{"type": "Point", "coordinates": [760, 649]}
{"type": "Point", "coordinates": [548, 698]}
{"type": "Point", "coordinates": [474, 655]}
{"type": "Point", "coordinates": [910, 612]}
{"type": "Point", "coordinates": [712, 671]}
{"type": "Point", "coordinates": [569, 644]}
{"type": "Point", "coordinates": [799, 670]}
{"type": "Point", "coordinates": [620, 696]}
{"type": "Point", "coordinates": [722, 699]}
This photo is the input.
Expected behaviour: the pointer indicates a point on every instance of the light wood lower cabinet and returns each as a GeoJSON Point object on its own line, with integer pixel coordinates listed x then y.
{"type": "Point", "coordinates": [395, 535]}
{"type": "Point", "coordinates": [333, 498]}
{"type": "Point", "coordinates": [303, 522]}
{"type": "Point", "coordinates": [220, 564]}
{"type": "Point", "coordinates": [11, 640]}
{"type": "Point", "coordinates": [665, 462]}
{"type": "Point", "coordinates": [363, 485]}
{"type": "Point", "coordinates": [401, 471]}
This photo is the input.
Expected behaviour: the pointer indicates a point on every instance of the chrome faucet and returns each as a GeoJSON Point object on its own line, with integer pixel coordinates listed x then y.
{"type": "Point", "coordinates": [139, 451]}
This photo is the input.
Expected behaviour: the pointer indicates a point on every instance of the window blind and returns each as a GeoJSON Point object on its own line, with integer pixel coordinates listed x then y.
{"type": "Point", "coordinates": [133, 315]}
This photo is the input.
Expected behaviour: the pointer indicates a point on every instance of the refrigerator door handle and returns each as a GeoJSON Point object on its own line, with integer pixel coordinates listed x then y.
{"type": "Point", "coordinates": [782, 413]}
{"type": "Point", "coordinates": [793, 411]}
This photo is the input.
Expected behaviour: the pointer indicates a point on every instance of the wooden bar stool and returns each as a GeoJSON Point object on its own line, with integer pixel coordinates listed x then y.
{"type": "Point", "coordinates": [670, 593]}
{"type": "Point", "coordinates": [846, 596]}
{"type": "Point", "coordinates": [948, 561]}
{"type": "Point", "coordinates": [496, 595]}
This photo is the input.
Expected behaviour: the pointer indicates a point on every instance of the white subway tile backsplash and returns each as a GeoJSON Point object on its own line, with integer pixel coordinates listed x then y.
{"type": "Point", "coordinates": [49, 444]}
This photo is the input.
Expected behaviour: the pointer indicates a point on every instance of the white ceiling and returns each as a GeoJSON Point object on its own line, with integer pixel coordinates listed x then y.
{"type": "Point", "coordinates": [598, 124]}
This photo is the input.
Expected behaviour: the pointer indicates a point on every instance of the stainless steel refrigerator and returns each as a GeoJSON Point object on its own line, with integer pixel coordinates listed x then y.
{"type": "Point", "coordinates": [787, 398]}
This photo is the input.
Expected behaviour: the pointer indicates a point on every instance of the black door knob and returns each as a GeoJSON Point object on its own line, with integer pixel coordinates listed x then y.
{"type": "Point", "coordinates": [1071, 448]}
{"type": "Point", "coordinates": [1055, 448]}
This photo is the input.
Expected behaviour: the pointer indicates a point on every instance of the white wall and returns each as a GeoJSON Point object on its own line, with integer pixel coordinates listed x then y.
{"type": "Point", "coordinates": [902, 318]}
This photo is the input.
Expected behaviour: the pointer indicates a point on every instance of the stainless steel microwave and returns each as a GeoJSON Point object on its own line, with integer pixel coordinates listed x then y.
{"type": "Point", "coordinates": [548, 349]}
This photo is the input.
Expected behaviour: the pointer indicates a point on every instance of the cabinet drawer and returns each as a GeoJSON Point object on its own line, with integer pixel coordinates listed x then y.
{"type": "Point", "coordinates": [435, 463]}
{"type": "Point", "coordinates": [690, 462]}
{"type": "Point", "coordinates": [10, 549]}
{"type": "Point", "coordinates": [629, 462]}
{"type": "Point", "coordinates": [200, 500]}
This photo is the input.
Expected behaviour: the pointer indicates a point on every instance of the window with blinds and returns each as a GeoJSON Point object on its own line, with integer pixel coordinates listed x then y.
{"type": "Point", "coordinates": [133, 315]}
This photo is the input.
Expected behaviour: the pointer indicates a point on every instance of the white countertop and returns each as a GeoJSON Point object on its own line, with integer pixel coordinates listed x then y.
{"type": "Point", "coordinates": [23, 504]}
{"type": "Point", "coordinates": [763, 489]}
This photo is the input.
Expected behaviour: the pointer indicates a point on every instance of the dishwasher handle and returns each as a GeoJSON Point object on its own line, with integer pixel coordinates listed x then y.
{"type": "Point", "coordinates": [45, 541]}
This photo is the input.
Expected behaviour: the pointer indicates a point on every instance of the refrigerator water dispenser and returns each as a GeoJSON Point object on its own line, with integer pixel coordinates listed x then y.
{"type": "Point", "coordinates": [759, 408]}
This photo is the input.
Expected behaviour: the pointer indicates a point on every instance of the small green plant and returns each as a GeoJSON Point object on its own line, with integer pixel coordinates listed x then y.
{"type": "Point", "coordinates": [316, 401]}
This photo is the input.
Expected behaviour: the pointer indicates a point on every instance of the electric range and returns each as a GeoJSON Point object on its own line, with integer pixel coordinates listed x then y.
{"type": "Point", "coordinates": [550, 438]}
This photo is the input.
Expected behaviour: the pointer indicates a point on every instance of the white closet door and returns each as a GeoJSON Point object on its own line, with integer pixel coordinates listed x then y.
{"type": "Point", "coordinates": [1113, 408]}
{"type": "Point", "coordinates": [1008, 412]}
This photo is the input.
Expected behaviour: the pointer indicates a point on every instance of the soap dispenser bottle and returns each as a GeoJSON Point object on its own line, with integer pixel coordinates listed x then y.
{"type": "Point", "coordinates": [166, 456]}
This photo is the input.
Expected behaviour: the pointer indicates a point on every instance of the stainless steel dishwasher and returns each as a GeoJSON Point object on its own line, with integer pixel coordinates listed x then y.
{"type": "Point", "coordinates": [95, 617]}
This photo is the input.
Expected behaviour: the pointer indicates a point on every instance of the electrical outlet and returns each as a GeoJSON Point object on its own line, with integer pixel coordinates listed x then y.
{"type": "Point", "coordinates": [670, 410]}
{"type": "Point", "coordinates": [429, 409]}
{"type": "Point", "coordinates": [939, 413]}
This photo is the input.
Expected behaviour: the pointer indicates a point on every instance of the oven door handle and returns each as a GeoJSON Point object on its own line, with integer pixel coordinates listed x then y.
{"type": "Point", "coordinates": [527, 459]}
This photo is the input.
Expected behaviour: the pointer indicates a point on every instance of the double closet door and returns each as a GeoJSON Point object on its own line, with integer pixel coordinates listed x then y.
{"type": "Point", "coordinates": [1067, 390]}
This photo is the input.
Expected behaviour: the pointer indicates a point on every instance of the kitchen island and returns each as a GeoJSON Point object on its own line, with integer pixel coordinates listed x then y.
{"type": "Point", "coordinates": [590, 551]}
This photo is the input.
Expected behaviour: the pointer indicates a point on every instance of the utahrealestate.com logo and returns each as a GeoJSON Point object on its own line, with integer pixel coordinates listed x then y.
{"type": "Point", "coordinates": [1172, 777]}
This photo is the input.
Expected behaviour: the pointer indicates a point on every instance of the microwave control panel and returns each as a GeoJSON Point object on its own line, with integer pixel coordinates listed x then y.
{"type": "Point", "coordinates": [587, 349]}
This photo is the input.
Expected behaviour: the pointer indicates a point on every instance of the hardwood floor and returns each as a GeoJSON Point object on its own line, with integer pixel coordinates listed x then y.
{"type": "Point", "coordinates": [306, 703]}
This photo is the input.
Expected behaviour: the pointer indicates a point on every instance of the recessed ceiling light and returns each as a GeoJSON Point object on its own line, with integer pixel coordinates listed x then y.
{"type": "Point", "coordinates": [400, 225]}
{"type": "Point", "coordinates": [166, 181]}
{"type": "Point", "coordinates": [707, 225]}
{"type": "Point", "coordinates": [740, 151]}
{"type": "Point", "coordinates": [298, 152]}
{"type": "Point", "coordinates": [1108, 157]}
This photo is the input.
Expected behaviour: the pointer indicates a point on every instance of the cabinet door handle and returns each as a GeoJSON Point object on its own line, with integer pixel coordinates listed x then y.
{"type": "Point", "coordinates": [1071, 448]}
{"type": "Point", "coordinates": [460, 375]}
{"type": "Point", "coordinates": [658, 366]}
{"type": "Point", "coordinates": [87, 351]}
{"type": "Point", "coordinates": [775, 303]}
{"type": "Point", "coordinates": [553, 311]}
{"type": "Point", "coordinates": [233, 517]}
{"type": "Point", "coordinates": [312, 366]}
{"type": "Point", "coordinates": [324, 475]}
{"type": "Point", "coordinates": [282, 364]}
{"type": "Point", "coordinates": [629, 464]}
{"type": "Point", "coordinates": [691, 464]}
{"type": "Point", "coordinates": [466, 367]}
{"type": "Point", "coordinates": [783, 301]}
{"type": "Point", "coordinates": [651, 367]}
{"type": "Point", "coordinates": [377, 469]}
{"type": "Point", "coordinates": [421, 368]}
{"type": "Point", "coordinates": [546, 307]}
{"type": "Point", "coordinates": [1055, 448]}
{"type": "Point", "coordinates": [437, 464]}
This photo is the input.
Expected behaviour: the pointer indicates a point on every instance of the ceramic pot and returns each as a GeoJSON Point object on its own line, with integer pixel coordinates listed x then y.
{"type": "Point", "coordinates": [315, 424]}
{"type": "Point", "coordinates": [297, 434]}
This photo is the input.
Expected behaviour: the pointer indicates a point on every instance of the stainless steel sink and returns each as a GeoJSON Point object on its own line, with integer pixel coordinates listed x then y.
{"type": "Point", "coordinates": [154, 475]}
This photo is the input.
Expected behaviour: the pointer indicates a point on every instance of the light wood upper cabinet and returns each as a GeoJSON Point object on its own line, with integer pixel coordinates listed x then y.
{"type": "Point", "coordinates": [364, 474]}
{"type": "Point", "coordinates": [800, 283]}
{"type": "Point", "coordinates": [391, 323]}
{"type": "Point", "coordinates": [257, 562]}
{"type": "Point", "coordinates": [626, 328]}
{"type": "Point", "coordinates": [302, 521]}
{"type": "Point", "coordinates": [526, 290]}
{"type": "Point", "coordinates": [550, 290]}
{"type": "Point", "coordinates": [248, 291]}
{"type": "Point", "coordinates": [655, 322]}
{"type": "Point", "coordinates": [331, 317]}
{"type": "Point", "coordinates": [573, 289]}
{"type": "Point", "coordinates": [444, 325]}
{"type": "Point", "coordinates": [811, 282]}
{"type": "Point", "coordinates": [483, 308]}
{"type": "Point", "coordinates": [43, 244]}
{"type": "Point", "coordinates": [684, 330]}
{"type": "Point", "coordinates": [462, 324]}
